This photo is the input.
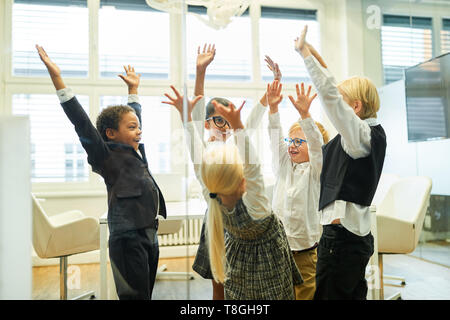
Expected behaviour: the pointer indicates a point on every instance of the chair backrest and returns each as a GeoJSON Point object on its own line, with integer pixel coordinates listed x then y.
{"type": "Point", "coordinates": [169, 226]}
{"type": "Point", "coordinates": [385, 183]}
{"type": "Point", "coordinates": [42, 228]}
{"type": "Point", "coordinates": [407, 200]}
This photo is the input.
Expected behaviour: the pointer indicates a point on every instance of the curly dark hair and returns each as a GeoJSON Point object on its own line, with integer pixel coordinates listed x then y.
{"type": "Point", "coordinates": [110, 118]}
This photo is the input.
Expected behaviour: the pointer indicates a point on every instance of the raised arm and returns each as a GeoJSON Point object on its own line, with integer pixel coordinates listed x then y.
{"type": "Point", "coordinates": [132, 81]}
{"type": "Point", "coordinates": [255, 198]}
{"type": "Point", "coordinates": [90, 138]}
{"type": "Point", "coordinates": [313, 136]}
{"type": "Point", "coordinates": [278, 147]}
{"type": "Point", "coordinates": [193, 140]}
{"type": "Point", "coordinates": [355, 132]}
{"type": "Point", "coordinates": [204, 58]}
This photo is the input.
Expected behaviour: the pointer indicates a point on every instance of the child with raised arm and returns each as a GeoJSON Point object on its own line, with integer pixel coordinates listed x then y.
{"type": "Point", "coordinates": [297, 166]}
{"type": "Point", "coordinates": [218, 130]}
{"type": "Point", "coordinates": [352, 165]}
{"type": "Point", "coordinates": [252, 257]}
{"type": "Point", "coordinates": [134, 198]}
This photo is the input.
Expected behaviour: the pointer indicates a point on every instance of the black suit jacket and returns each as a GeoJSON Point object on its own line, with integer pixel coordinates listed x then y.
{"type": "Point", "coordinates": [134, 198]}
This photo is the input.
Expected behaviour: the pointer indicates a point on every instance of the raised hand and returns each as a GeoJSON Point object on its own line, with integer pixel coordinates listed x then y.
{"type": "Point", "coordinates": [231, 114]}
{"type": "Point", "coordinates": [305, 49]}
{"type": "Point", "coordinates": [303, 101]}
{"type": "Point", "coordinates": [301, 44]}
{"type": "Point", "coordinates": [274, 96]}
{"type": "Point", "coordinates": [206, 57]}
{"type": "Point", "coordinates": [53, 69]}
{"type": "Point", "coordinates": [131, 79]}
{"type": "Point", "coordinates": [177, 102]}
{"type": "Point", "coordinates": [274, 68]}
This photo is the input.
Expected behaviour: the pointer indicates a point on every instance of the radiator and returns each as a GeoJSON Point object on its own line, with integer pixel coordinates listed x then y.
{"type": "Point", "coordinates": [189, 234]}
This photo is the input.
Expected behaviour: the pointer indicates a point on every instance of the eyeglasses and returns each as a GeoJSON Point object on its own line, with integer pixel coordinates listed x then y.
{"type": "Point", "coordinates": [297, 142]}
{"type": "Point", "coordinates": [219, 121]}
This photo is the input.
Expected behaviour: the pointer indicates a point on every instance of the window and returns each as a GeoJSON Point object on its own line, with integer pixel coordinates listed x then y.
{"type": "Point", "coordinates": [278, 42]}
{"type": "Point", "coordinates": [56, 152]}
{"type": "Point", "coordinates": [233, 44]}
{"type": "Point", "coordinates": [131, 32]}
{"type": "Point", "coordinates": [405, 41]}
{"type": "Point", "coordinates": [156, 132]}
{"type": "Point", "coordinates": [445, 36]}
{"type": "Point", "coordinates": [64, 20]}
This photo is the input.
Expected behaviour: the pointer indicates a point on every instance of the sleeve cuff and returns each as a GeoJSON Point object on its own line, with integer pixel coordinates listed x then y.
{"type": "Point", "coordinates": [307, 123]}
{"type": "Point", "coordinates": [65, 94]}
{"type": "Point", "coordinates": [133, 98]}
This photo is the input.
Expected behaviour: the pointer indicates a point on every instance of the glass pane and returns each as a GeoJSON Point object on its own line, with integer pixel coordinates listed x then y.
{"type": "Point", "coordinates": [156, 132]}
{"type": "Point", "coordinates": [138, 38]}
{"type": "Point", "coordinates": [56, 153]}
{"type": "Point", "coordinates": [61, 30]}
{"type": "Point", "coordinates": [233, 48]}
{"type": "Point", "coordinates": [404, 47]}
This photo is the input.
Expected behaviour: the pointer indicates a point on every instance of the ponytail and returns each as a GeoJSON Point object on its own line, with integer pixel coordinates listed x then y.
{"type": "Point", "coordinates": [216, 240]}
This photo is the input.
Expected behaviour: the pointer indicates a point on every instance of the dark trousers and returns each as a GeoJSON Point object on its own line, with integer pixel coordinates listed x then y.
{"type": "Point", "coordinates": [134, 261]}
{"type": "Point", "coordinates": [342, 258]}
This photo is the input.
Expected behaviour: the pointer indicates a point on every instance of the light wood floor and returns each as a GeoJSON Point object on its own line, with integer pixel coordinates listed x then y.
{"type": "Point", "coordinates": [424, 280]}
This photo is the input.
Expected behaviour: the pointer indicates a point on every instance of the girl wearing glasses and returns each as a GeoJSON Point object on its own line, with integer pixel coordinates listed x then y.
{"type": "Point", "coordinates": [297, 163]}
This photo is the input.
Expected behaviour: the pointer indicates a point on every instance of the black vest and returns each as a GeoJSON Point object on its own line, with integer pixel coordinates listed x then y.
{"type": "Point", "coordinates": [351, 180]}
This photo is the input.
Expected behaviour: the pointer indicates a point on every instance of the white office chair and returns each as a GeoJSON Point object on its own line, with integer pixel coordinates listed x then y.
{"type": "Point", "coordinates": [385, 183]}
{"type": "Point", "coordinates": [400, 217]}
{"type": "Point", "coordinates": [167, 227]}
{"type": "Point", "coordinates": [63, 235]}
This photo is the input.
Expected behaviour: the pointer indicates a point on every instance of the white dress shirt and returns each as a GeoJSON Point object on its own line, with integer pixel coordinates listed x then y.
{"type": "Point", "coordinates": [355, 140]}
{"type": "Point", "coordinates": [297, 187]}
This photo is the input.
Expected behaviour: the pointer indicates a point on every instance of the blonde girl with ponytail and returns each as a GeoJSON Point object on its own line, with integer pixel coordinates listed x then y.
{"type": "Point", "coordinates": [252, 257]}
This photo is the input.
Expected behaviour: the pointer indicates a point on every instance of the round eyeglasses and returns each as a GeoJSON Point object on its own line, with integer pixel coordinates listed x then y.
{"type": "Point", "coordinates": [219, 121]}
{"type": "Point", "coordinates": [297, 141]}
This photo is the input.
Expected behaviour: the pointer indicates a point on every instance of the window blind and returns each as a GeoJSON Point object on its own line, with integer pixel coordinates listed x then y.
{"type": "Point", "coordinates": [41, 22]}
{"type": "Point", "coordinates": [405, 41]}
{"type": "Point", "coordinates": [445, 36]}
{"type": "Point", "coordinates": [56, 152]}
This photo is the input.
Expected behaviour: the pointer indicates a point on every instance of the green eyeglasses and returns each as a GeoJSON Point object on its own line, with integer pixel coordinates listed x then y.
{"type": "Point", "coordinates": [297, 141]}
{"type": "Point", "coordinates": [219, 121]}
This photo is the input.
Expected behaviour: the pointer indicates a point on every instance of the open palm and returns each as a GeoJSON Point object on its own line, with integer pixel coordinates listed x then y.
{"type": "Point", "coordinates": [52, 67]}
{"type": "Point", "coordinates": [131, 78]}
{"type": "Point", "coordinates": [206, 57]}
{"type": "Point", "coordinates": [303, 101]}
{"type": "Point", "coordinates": [274, 96]}
{"type": "Point", "coordinates": [177, 102]}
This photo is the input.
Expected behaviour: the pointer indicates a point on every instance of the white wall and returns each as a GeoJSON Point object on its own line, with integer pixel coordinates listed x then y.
{"type": "Point", "coordinates": [428, 158]}
{"type": "Point", "coordinates": [15, 209]}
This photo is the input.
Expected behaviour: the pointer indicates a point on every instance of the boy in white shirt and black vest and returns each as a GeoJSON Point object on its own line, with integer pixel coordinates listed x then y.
{"type": "Point", "coordinates": [352, 165]}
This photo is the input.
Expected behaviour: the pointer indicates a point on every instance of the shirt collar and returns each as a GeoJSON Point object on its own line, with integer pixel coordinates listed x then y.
{"type": "Point", "coordinates": [371, 121]}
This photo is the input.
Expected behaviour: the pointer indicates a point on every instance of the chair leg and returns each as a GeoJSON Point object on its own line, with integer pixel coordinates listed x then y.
{"type": "Point", "coordinates": [380, 267]}
{"type": "Point", "coordinates": [63, 278]}
{"type": "Point", "coordinates": [63, 282]}
{"type": "Point", "coordinates": [396, 296]}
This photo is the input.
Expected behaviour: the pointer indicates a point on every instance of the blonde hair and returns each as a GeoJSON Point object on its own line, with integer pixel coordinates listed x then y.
{"type": "Point", "coordinates": [222, 173]}
{"type": "Point", "coordinates": [362, 89]}
{"type": "Point", "coordinates": [296, 126]}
